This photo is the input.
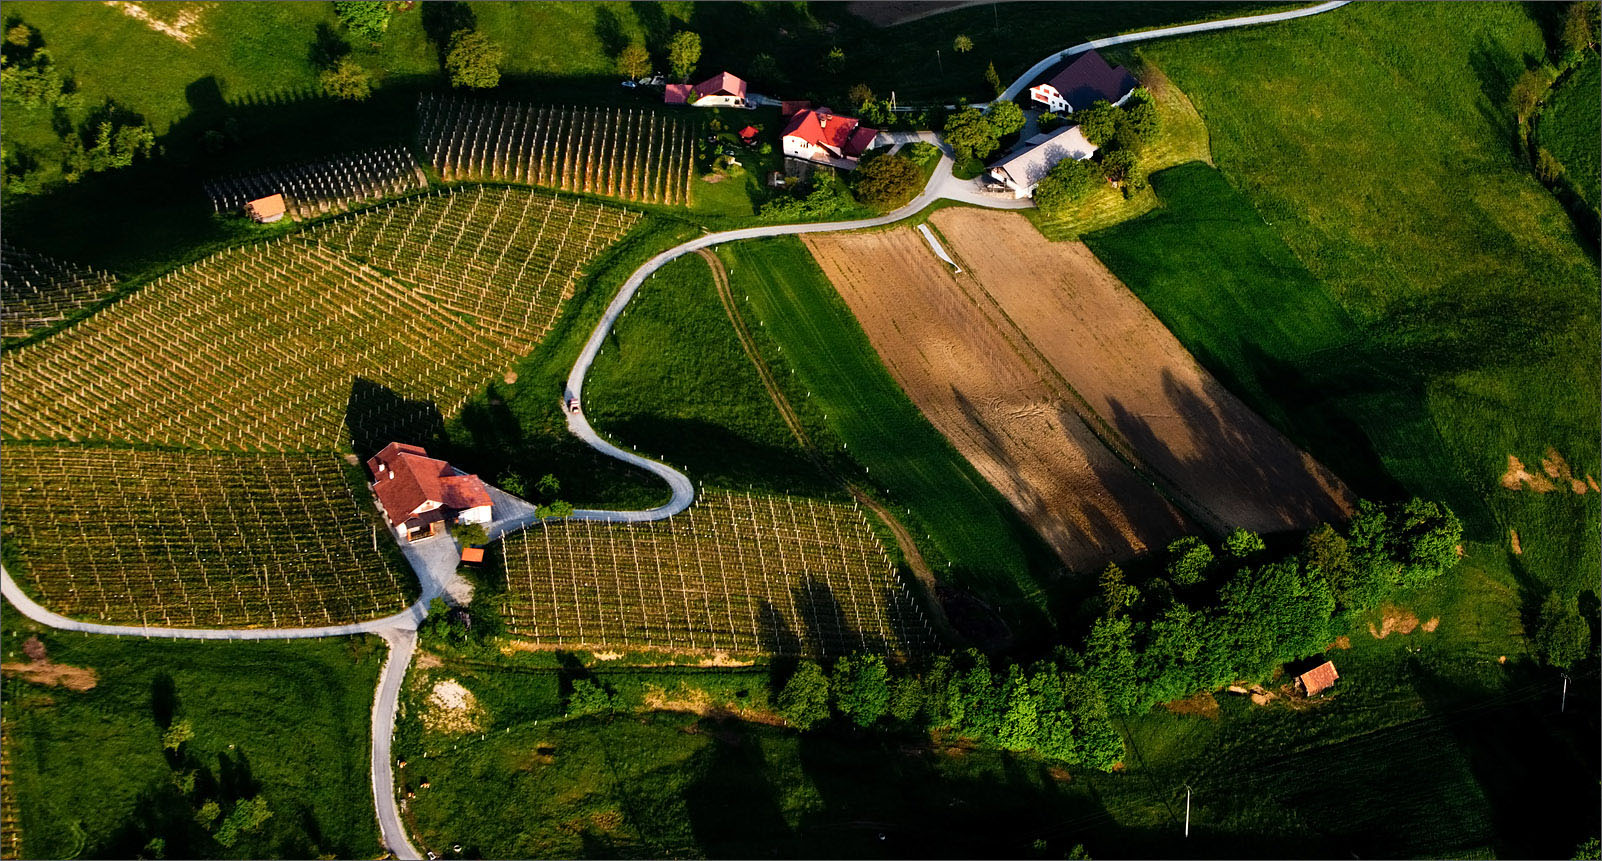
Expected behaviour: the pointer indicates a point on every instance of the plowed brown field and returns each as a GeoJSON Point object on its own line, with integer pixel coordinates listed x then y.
{"type": "Point", "coordinates": [1066, 392]}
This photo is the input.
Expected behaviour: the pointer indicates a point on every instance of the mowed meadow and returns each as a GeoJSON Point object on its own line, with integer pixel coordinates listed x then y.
{"type": "Point", "coordinates": [1391, 283]}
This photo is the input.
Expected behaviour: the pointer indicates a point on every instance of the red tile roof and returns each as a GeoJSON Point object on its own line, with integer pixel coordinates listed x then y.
{"type": "Point", "coordinates": [1318, 679]}
{"type": "Point", "coordinates": [677, 94]}
{"type": "Point", "coordinates": [405, 478]}
{"type": "Point", "coordinates": [821, 127]}
{"type": "Point", "coordinates": [721, 84]}
{"type": "Point", "coordinates": [750, 132]}
{"type": "Point", "coordinates": [1089, 78]}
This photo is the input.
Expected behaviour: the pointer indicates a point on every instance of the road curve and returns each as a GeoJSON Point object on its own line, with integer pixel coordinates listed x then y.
{"type": "Point", "coordinates": [1018, 86]}
{"type": "Point", "coordinates": [386, 702]}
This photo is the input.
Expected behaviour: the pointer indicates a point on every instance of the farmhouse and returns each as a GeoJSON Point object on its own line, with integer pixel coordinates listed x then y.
{"type": "Point", "coordinates": [1085, 81]}
{"type": "Point", "coordinates": [266, 209]}
{"type": "Point", "coordinates": [1318, 680]}
{"type": "Point", "coordinates": [722, 90]}
{"type": "Point", "coordinates": [1024, 169]}
{"type": "Point", "coordinates": [827, 138]}
{"type": "Point", "coordinates": [418, 493]}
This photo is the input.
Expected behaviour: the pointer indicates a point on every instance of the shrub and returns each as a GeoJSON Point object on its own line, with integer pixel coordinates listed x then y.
{"type": "Point", "coordinates": [473, 60]}
{"type": "Point", "coordinates": [1097, 122]}
{"type": "Point", "coordinates": [888, 181]}
{"type": "Point", "coordinates": [1562, 638]}
{"type": "Point", "coordinates": [590, 697]}
{"type": "Point", "coordinates": [962, 44]}
{"type": "Point", "coordinates": [993, 79]}
{"type": "Point", "coordinates": [1118, 165]}
{"type": "Point", "coordinates": [1048, 121]}
{"type": "Point", "coordinates": [804, 700]}
{"type": "Point", "coordinates": [469, 534]}
{"type": "Point", "coordinates": [366, 19]}
{"type": "Point", "coordinates": [1138, 123]}
{"type": "Point", "coordinates": [347, 80]}
{"type": "Point", "coordinates": [1068, 182]}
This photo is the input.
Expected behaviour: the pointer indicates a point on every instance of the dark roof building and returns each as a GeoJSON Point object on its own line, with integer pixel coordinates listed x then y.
{"type": "Point", "coordinates": [1086, 81]}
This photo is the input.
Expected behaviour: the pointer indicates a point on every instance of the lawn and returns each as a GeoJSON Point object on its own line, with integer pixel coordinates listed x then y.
{"type": "Point", "coordinates": [851, 406]}
{"type": "Point", "coordinates": [287, 718]}
{"type": "Point", "coordinates": [1400, 293]}
{"type": "Point", "coordinates": [1570, 125]}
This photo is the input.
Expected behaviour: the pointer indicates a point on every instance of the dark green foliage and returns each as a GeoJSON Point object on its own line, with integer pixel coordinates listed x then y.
{"type": "Point", "coordinates": [1569, 125]}
{"type": "Point", "coordinates": [1118, 165]}
{"type": "Point", "coordinates": [1580, 26]}
{"type": "Point", "coordinates": [1137, 123]}
{"type": "Point", "coordinates": [346, 80]}
{"type": "Point", "coordinates": [469, 534]}
{"type": "Point", "coordinates": [368, 19]}
{"type": "Point", "coordinates": [1110, 662]}
{"type": "Point", "coordinates": [861, 688]}
{"type": "Point", "coordinates": [1097, 121]}
{"type": "Point", "coordinates": [1005, 117]}
{"type": "Point", "coordinates": [1274, 614]}
{"type": "Point", "coordinates": [888, 181]}
{"type": "Point", "coordinates": [993, 79]}
{"type": "Point", "coordinates": [28, 73]}
{"type": "Point", "coordinates": [1562, 638]}
{"type": "Point", "coordinates": [1243, 543]}
{"type": "Point", "coordinates": [906, 700]}
{"type": "Point", "coordinates": [1590, 850]}
{"type": "Point", "coordinates": [473, 60]}
{"type": "Point", "coordinates": [826, 197]}
{"type": "Point", "coordinates": [1048, 121]}
{"type": "Point", "coordinates": [589, 697]}
{"type": "Point", "coordinates": [1189, 560]}
{"type": "Point", "coordinates": [969, 134]}
{"type": "Point", "coordinates": [116, 144]}
{"type": "Point", "coordinates": [1424, 541]}
{"type": "Point", "coordinates": [804, 700]}
{"type": "Point", "coordinates": [1067, 183]}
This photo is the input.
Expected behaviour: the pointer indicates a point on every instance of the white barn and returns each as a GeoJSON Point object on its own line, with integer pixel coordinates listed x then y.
{"type": "Point", "coordinates": [1024, 169]}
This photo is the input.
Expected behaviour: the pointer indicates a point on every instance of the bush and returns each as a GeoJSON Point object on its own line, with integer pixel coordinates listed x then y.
{"type": "Point", "coordinates": [1118, 165]}
{"type": "Point", "coordinates": [888, 181]}
{"type": "Point", "coordinates": [347, 80]}
{"type": "Point", "coordinates": [804, 701]}
{"type": "Point", "coordinates": [469, 534]}
{"type": "Point", "coordinates": [473, 60]}
{"type": "Point", "coordinates": [1048, 121]}
{"type": "Point", "coordinates": [590, 697]}
{"type": "Point", "coordinates": [366, 19]}
{"type": "Point", "coordinates": [1067, 183]}
{"type": "Point", "coordinates": [1138, 123]}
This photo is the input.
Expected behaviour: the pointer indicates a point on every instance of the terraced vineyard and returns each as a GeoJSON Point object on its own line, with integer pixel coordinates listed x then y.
{"type": "Point", "coordinates": [194, 539]}
{"type": "Point", "coordinates": [632, 153]}
{"type": "Point", "coordinates": [272, 346]}
{"type": "Point", "coordinates": [320, 187]}
{"type": "Point", "coordinates": [735, 573]}
{"type": "Point", "coordinates": [36, 290]}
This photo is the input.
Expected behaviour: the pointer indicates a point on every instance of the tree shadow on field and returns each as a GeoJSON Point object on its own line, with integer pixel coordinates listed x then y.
{"type": "Point", "coordinates": [774, 634]}
{"type": "Point", "coordinates": [733, 807]}
{"type": "Point", "coordinates": [1498, 69]}
{"type": "Point", "coordinates": [828, 633]}
{"type": "Point", "coordinates": [442, 19]}
{"type": "Point", "coordinates": [163, 699]}
{"type": "Point", "coordinates": [328, 47]}
{"type": "Point", "coordinates": [609, 31]}
{"type": "Point", "coordinates": [376, 416]}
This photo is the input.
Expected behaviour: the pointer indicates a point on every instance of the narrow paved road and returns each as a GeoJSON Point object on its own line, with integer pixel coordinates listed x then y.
{"type": "Point", "coordinates": [434, 560]}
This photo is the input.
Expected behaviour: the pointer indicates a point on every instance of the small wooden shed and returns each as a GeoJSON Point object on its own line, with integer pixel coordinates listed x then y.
{"type": "Point", "coordinates": [1318, 680]}
{"type": "Point", "coordinates": [266, 209]}
{"type": "Point", "coordinates": [474, 555]}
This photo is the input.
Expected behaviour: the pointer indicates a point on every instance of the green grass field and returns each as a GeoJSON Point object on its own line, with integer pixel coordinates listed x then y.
{"type": "Point", "coordinates": [673, 381]}
{"type": "Point", "coordinates": [1570, 125]}
{"type": "Point", "coordinates": [291, 718]}
{"type": "Point", "coordinates": [1457, 319]}
{"type": "Point", "coordinates": [851, 406]}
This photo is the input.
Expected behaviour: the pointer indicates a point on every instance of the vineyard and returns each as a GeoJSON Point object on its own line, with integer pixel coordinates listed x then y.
{"type": "Point", "coordinates": [198, 539]}
{"type": "Point", "coordinates": [267, 347]}
{"type": "Point", "coordinates": [631, 153]}
{"type": "Point", "coordinates": [321, 187]}
{"type": "Point", "coordinates": [10, 832]}
{"type": "Point", "coordinates": [36, 290]}
{"type": "Point", "coordinates": [735, 573]}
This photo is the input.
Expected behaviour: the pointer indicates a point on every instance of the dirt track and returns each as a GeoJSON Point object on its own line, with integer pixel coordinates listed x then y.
{"type": "Point", "coordinates": [1221, 460]}
{"type": "Point", "coordinates": [1012, 422]}
{"type": "Point", "coordinates": [1066, 392]}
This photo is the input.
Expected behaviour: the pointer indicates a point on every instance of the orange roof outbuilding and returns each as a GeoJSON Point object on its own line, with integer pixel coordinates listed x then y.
{"type": "Point", "coordinates": [269, 208]}
{"type": "Point", "coordinates": [473, 554]}
{"type": "Point", "coordinates": [1319, 679]}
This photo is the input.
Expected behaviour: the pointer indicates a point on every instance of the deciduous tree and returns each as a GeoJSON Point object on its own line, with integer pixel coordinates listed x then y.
{"type": "Point", "coordinates": [970, 134]}
{"type": "Point", "coordinates": [1562, 638]}
{"type": "Point", "coordinates": [1097, 122]}
{"type": "Point", "coordinates": [635, 61]}
{"type": "Point", "coordinates": [1068, 183]}
{"type": "Point", "coordinates": [1527, 92]}
{"type": "Point", "coordinates": [1189, 560]}
{"type": "Point", "coordinates": [962, 44]}
{"type": "Point", "coordinates": [684, 52]}
{"type": "Point", "coordinates": [1005, 117]}
{"type": "Point", "coordinates": [888, 181]}
{"type": "Point", "coordinates": [347, 80]}
{"type": "Point", "coordinates": [861, 688]}
{"type": "Point", "coordinates": [473, 60]}
{"type": "Point", "coordinates": [804, 700]}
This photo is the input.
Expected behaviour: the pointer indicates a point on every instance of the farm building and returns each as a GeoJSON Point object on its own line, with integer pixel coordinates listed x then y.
{"type": "Point", "coordinates": [266, 209]}
{"type": "Point", "coordinates": [418, 493]}
{"type": "Point", "coordinates": [1318, 680]}
{"type": "Point", "coordinates": [827, 138]}
{"type": "Point", "coordinates": [722, 90]}
{"type": "Point", "coordinates": [1024, 169]}
{"type": "Point", "coordinates": [1085, 81]}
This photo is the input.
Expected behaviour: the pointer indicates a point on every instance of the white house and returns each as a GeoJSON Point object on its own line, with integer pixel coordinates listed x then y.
{"type": "Point", "coordinates": [419, 493]}
{"type": "Point", "coordinates": [1024, 169]}
{"type": "Point", "coordinates": [1086, 80]}
{"type": "Point", "coordinates": [722, 90]}
{"type": "Point", "coordinates": [827, 138]}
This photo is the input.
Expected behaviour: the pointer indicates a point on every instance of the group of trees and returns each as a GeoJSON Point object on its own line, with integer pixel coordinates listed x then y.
{"type": "Point", "coordinates": [1050, 707]}
{"type": "Point", "coordinates": [1120, 134]}
{"type": "Point", "coordinates": [28, 74]}
{"type": "Point", "coordinates": [975, 135]}
{"type": "Point", "coordinates": [1210, 618]}
{"type": "Point", "coordinates": [887, 181]}
{"type": "Point", "coordinates": [683, 54]}
{"type": "Point", "coordinates": [823, 196]}
{"type": "Point", "coordinates": [115, 142]}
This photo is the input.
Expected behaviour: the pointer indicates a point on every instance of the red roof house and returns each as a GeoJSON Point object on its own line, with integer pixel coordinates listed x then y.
{"type": "Point", "coordinates": [826, 137]}
{"type": "Point", "coordinates": [1084, 82]}
{"type": "Point", "coordinates": [722, 90]}
{"type": "Point", "coordinates": [1319, 679]}
{"type": "Point", "coordinates": [418, 492]}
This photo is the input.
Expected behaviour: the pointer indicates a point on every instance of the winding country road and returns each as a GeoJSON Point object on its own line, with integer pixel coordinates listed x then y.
{"type": "Point", "coordinates": [434, 560]}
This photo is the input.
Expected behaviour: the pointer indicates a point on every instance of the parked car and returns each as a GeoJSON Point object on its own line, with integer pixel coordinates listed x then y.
{"type": "Point", "coordinates": [630, 84]}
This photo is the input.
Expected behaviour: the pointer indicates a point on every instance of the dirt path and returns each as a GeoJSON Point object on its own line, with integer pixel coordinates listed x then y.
{"type": "Point", "coordinates": [909, 548]}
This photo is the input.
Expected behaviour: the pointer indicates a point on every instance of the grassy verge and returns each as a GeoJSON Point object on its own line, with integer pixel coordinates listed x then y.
{"type": "Point", "coordinates": [851, 406]}
{"type": "Point", "coordinates": [1570, 125]}
{"type": "Point", "coordinates": [1473, 314]}
{"type": "Point", "coordinates": [289, 720]}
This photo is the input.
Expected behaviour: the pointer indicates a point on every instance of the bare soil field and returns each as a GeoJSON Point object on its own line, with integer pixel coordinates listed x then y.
{"type": "Point", "coordinates": [1011, 419]}
{"type": "Point", "coordinates": [1216, 457]}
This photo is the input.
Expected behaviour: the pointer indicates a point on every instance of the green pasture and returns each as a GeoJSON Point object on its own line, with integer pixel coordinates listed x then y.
{"type": "Point", "coordinates": [852, 407]}
{"type": "Point", "coordinates": [1571, 124]}
{"type": "Point", "coordinates": [287, 719]}
{"type": "Point", "coordinates": [1391, 284]}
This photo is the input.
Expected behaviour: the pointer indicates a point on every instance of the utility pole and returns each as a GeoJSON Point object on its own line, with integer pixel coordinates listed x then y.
{"type": "Point", "coordinates": [1187, 810]}
{"type": "Point", "coordinates": [1563, 703]}
{"type": "Point", "coordinates": [941, 62]}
